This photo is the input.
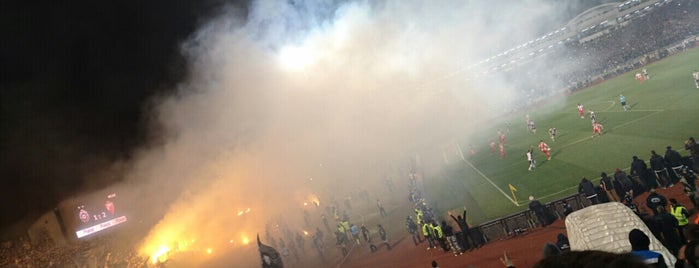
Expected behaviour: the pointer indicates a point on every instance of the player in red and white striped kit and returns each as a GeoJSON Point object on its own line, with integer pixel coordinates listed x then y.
{"type": "Point", "coordinates": [581, 111]}
{"type": "Point", "coordinates": [545, 149]}
{"type": "Point", "coordinates": [597, 129]}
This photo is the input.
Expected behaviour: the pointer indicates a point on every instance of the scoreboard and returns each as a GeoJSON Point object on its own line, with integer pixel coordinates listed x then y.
{"type": "Point", "coordinates": [97, 214]}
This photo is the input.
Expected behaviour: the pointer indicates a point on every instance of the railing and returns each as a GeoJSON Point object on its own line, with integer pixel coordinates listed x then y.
{"type": "Point", "coordinates": [515, 224]}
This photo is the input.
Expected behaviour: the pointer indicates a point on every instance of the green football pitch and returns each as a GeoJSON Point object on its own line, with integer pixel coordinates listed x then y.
{"type": "Point", "coordinates": [664, 111]}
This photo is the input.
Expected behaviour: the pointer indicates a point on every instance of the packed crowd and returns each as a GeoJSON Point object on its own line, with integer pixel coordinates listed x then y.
{"type": "Point", "coordinates": [98, 252]}
{"type": "Point", "coordinates": [576, 65]}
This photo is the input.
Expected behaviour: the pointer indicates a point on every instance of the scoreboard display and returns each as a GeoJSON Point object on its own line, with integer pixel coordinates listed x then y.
{"type": "Point", "coordinates": [98, 214]}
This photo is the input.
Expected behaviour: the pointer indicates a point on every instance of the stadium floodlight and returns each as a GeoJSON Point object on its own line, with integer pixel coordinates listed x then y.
{"type": "Point", "coordinates": [295, 58]}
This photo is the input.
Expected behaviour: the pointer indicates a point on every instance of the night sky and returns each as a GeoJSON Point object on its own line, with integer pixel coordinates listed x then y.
{"type": "Point", "coordinates": [74, 89]}
{"type": "Point", "coordinates": [76, 77]}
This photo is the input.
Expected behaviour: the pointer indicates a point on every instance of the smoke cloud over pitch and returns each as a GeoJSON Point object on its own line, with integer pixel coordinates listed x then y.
{"type": "Point", "coordinates": [304, 100]}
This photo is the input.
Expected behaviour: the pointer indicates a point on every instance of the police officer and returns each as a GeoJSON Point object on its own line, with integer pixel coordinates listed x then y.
{"type": "Point", "coordinates": [429, 235]}
{"type": "Point", "coordinates": [439, 236]}
{"type": "Point", "coordinates": [682, 216]}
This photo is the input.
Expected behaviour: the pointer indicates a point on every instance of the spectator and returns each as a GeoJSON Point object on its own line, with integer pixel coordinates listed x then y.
{"type": "Point", "coordinates": [451, 239]}
{"type": "Point", "coordinates": [591, 258]}
{"type": "Point", "coordinates": [624, 181]}
{"type": "Point", "coordinates": [465, 238]}
{"type": "Point", "coordinates": [567, 208]}
{"type": "Point", "coordinates": [585, 187]}
{"type": "Point", "coordinates": [550, 250]}
{"type": "Point", "coordinates": [412, 230]}
{"type": "Point", "coordinates": [674, 161]}
{"type": "Point", "coordinates": [562, 243]}
{"type": "Point", "coordinates": [384, 237]}
{"type": "Point", "coordinates": [688, 255]}
{"type": "Point", "coordinates": [608, 187]}
{"type": "Point", "coordinates": [639, 247]}
{"type": "Point", "coordinates": [655, 200]}
{"type": "Point", "coordinates": [668, 228]}
{"type": "Point", "coordinates": [541, 212]}
{"type": "Point", "coordinates": [657, 163]}
{"type": "Point", "coordinates": [639, 170]}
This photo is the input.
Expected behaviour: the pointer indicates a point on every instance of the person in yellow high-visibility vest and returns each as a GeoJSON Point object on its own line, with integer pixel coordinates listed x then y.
{"type": "Point", "coordinates": [429, 235]}
{"type": "Point", "coordinates": [682, 216]}
{"type": "Point", "coordinates": [439, 236]}
{"type": "Point", "coordinates": [418, 213]}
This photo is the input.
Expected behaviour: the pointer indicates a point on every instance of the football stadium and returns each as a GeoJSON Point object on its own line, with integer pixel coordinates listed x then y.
{"type": "Point", "coordinates": [400, 134]}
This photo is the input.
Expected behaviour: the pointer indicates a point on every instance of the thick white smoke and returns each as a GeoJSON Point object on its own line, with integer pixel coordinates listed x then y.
{"type": "Point", "coordinates": [300, 100]}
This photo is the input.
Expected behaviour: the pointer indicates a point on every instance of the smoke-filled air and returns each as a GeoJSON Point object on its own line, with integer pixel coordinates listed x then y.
{"type": "Point", "coordinates": [298, 105]}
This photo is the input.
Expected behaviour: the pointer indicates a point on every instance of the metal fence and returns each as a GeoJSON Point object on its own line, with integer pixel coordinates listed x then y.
{"type": "Point", "coordinates": [518, 223]}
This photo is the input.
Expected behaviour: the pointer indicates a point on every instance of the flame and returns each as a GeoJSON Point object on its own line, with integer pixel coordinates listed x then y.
{"type": "Point", "coordinates": [314, 199]}
{"type": "Point", "coordinates": [305, 233]}
{"type": "Point", "coordinates": [160, 254]}
{"type": "Point", "coordinates": [209, 250]}
{"type": "Point", "coordinates": [246, 240]}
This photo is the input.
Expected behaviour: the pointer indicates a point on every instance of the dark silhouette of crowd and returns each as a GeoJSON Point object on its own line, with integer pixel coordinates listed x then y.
{"type": "Point", "coordinates": [102, 251]}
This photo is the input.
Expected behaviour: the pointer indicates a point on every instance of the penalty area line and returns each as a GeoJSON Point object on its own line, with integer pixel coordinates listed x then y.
{"type": "Point", "coordinates": [491, 182]}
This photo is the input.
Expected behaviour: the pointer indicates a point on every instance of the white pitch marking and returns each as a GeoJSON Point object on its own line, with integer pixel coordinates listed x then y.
{"type": "Point", "coordinates": [491, 182]}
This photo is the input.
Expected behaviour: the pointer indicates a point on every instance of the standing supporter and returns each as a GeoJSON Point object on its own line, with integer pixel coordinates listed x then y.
{"type": "Point", "coordinates": [562, 243]}
{"type": "Point", "coordinates": [639, 247]}
{"type": "Point", "coordinates": [624, 181]}
{"type": "Point", "coordinates": [550, 250]}
{"type": "Point", "coordinates": [639, 170]}
{"type": "Point", "coordinates": [588, 189]}
{"type": "Point", "coordinates": [384, 237]}
{"type": "Point", "coordinates": [591, 258]}
{"type": "Point", "coordinates": [674, 162]}
{"type": "Point", "coordinates": [465, 231]}
{"type": "Point", "coordinates": [657, 163]}
{"type": "Point", "coordinates": [412, 230]}
{"type": "Point", "coordinates": [688, 256]}
{"type": "Point", "coordinates": [354, 229]}
{"type": "Point", "coordinates": [608, 187]}
{"type": "Point", "coordinates": [668, 228]}
{"type": "Point", "coordinates": [365, 234]}
{"type": "Point", "coordinates": [567, 208]}
{"type": "Point", "coordinates": [451, 239]}
{"type": "Point", "coordinates": [655, 200]}
{"type": "Point", "coordinates": [682, 216]}
{"type": "Point", "coordinates": [690, 190]}
{"type": "Point", "coordinates": [540, 211]}
{"type": "Point", "coordinates": [693, 148]}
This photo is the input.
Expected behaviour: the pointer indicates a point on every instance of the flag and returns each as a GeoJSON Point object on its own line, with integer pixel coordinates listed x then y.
{"type": "Point", "coordinates": [512, 187]}
{"type": "Point", "coordinates": [269, 256]}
